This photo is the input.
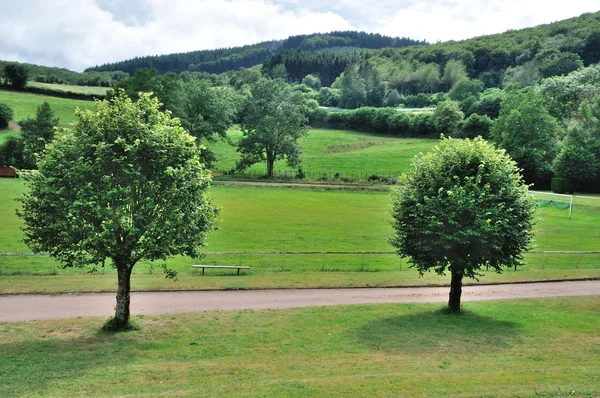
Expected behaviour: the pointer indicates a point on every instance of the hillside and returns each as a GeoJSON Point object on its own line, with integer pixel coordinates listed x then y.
{"type": "Point", "coordinates": [226, 59]}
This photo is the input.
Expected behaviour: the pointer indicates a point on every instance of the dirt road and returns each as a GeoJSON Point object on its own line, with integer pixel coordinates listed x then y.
{"type": "Point", "coordinates": [33, 307]}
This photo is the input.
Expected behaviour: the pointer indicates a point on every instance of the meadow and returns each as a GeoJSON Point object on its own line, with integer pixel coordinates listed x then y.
{"type": "Point", "coordinates": [24, 105]}
{"type": "Point", "coordinates": [256, 219]}
{"type": "Point", "coordinates": [534, 347]}
{"type": "Point", "coordinates": [337, 151]}
{"type": "Point", "coordinates": [93, 90]}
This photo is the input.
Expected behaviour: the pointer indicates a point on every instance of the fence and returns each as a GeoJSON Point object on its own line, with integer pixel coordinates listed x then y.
{"type": "Point", "coordinates": [373, 177]}
{"type": "Point", "coordinates": [287, 261]}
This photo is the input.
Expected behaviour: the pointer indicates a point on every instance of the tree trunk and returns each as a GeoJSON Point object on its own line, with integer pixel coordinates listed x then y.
{"type": "Point", "coordinates": [455, 293]}
{"type": "Point", "coordinates": [122, 309]}
{"type": "Point", "coordinates": [270, 165]}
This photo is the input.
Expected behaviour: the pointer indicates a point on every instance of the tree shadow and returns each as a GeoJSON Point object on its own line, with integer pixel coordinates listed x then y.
{"type": "Point", "coordinates": [32, 367]}
{"type": "Point", "coordinates": [435, 332]}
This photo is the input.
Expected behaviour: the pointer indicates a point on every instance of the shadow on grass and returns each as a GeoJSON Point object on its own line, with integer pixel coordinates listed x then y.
{"type": "Point", "coordinates": [435, 331]}
{"type": "Point", "coordinates": [34, 367]}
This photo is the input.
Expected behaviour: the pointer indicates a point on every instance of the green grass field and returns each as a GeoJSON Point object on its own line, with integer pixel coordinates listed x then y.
{"type": "Point", "coordinates": [525, 348]}
{"type": "Point", "coordinates": [289, 219]}
{"type": "Point", "coordinates": [24, 105]}
{"type": "Point", "coordinates": [71, 88]}
{"type": "Point", "coordinates": [331, 151]}
{"type": "Point", "coordinates": [7, 133]}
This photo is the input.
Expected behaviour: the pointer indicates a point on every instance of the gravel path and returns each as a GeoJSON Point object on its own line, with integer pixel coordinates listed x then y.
{"type": "Point", "coordinates": [34, 307]}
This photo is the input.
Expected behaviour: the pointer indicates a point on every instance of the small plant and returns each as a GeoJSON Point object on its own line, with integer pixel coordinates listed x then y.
{"type": "Point", "coordinates": [300, 174]}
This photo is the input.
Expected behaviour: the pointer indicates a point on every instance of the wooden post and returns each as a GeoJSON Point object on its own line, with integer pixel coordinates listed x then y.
{"type": "Point", "coordinates": [362, 266]}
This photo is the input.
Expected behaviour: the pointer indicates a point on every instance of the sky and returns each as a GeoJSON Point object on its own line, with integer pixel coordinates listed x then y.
{"type": "Point", "coordinates": [76, 34]}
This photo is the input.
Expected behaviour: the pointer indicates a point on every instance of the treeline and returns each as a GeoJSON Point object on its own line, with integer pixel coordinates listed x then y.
{"type": "Point", "coordinates": [227, 59]}
{"type": "Point", "coordinates": [46, 74]}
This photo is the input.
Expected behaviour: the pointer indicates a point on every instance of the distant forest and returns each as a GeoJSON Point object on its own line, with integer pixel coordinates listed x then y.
{"type": "Point", "coordinates": [226, 59]}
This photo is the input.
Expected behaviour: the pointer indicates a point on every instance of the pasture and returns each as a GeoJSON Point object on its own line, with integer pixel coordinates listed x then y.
{"type": "Point", "coordinates": [24, 105]}
{"type": "Point", "coordinates": [337, 151]}
{"type": "Point", "coordinates": [93, 90]}
{"type": "Point", "coordinates": [255, 219]}
{"type": "Point", "coordinates": [535, 347]}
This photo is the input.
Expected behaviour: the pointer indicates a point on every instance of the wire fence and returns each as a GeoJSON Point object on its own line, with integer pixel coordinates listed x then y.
{"type": "Point", "coordinates": [286, 261]}
{"type": "Point", "coordinates": [335, 176]}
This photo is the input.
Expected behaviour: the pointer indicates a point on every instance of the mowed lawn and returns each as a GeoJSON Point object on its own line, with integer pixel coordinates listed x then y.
{"type": "Point", "coordinates": [287, 219]}
{"type": "Point", "coordinates": [535, 347]}
{"type": "Point", "coordinates": [25, 105]}
{"type": "Point", "coordinates": [338, 151]}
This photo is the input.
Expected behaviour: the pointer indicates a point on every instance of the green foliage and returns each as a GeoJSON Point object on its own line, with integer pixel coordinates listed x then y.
{"type": "Point", "coordinates": [475, 126]}
{"type": "Point", "coordinates": [448, 117]}
{"type": "Point", "coordinates": [488, 103]}
{"type": "Point", "coordinates": [312, 81]}
{"type": "Point", "coordinates": [393, 99]}
{"type": "Point", "coordinates": [11, 152]}
{"type": "Point", "coordinates": [352, 86]}
{"type": "Point", "coordinates": [25, 105]}
{"type": "Point", "coordinates": [15, 75]}
{"type": "Point", "coordinates": [36, 134]}
{"type": "Point", "coordinates": [123, 183]}
{"type": "Point", "coordinates": [465, 88]}
{"type": "Point", "coordinates": [561, 185]}
{"type": "Point", "coordinates": [329, 97]}
{"type": "Point", "coordinates": [273, 121]}
{"type": "Point", "coordinates": [464, 206]}
{"type": "Point", "coordinates": [529, 134]}
{"type": "Point", "coordinates": [578, 165]}
{"type": "Point", "coordinates": [6, 115]}
{"type": "Point", "coordinates": [560, 64]}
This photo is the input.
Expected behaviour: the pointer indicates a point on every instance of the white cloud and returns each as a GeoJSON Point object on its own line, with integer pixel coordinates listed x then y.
{"type": "Point", "coordinates": [435, 20]}
{"type": "Point", "coordinates": [81, 33]}
{"type": "Point", "coordinates": [77, 34]}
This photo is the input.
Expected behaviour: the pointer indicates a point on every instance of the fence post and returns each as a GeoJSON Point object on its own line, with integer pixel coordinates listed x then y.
{"type": "Point", "coordinates": [240, 259]}
{"type": "Point", "coordinates": [400, 263]}
{"type": "Point", "coordinates": [543, 259]}
{"type": "Point", "coordinates": [576, 264]}
{"type": "Point", "coordinates": [323, 263]}
{"type": "Point", "coordinates": [1, 265]}
{"type": "Point", "coordinates": [362, 266]}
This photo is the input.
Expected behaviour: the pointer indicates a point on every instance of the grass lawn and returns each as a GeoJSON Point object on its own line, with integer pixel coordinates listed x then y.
{"type": "Point", "coordinates": [330, 151]}
{"type": "Point", "coordinates": [536, 347]}
{"type": "Point", "coordinates": [289, 219]}
{"type": "Point", "coordinates": [24, 105]}
{"type": "Point", "coordinates": [7, 133]}
{"type": "Point", "coordinates": [71, 88]}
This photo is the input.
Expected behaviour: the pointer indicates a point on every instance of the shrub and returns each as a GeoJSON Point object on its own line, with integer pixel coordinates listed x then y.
{"type": "Point", "coordinates": [6, 115]}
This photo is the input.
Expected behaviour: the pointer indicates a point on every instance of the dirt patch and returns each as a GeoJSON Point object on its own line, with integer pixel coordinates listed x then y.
{"type": "Point", "coordinates": [14, 126]}
{"type": "Point", "coordinates": [353, 146]}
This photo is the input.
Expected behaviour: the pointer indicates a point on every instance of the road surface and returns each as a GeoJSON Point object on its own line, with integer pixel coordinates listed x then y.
{"type": "Point", "coordinates": [18, 308]}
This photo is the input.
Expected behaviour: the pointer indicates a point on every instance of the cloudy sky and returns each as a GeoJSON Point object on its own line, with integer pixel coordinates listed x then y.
{"type": "Point", "coordinates": [79, 33]}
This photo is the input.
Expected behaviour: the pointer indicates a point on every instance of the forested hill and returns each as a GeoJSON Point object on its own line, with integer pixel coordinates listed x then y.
{"type": "Point", "coordinates": [226, 59]}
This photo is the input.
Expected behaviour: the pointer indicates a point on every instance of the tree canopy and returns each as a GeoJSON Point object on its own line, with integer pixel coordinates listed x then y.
{"type": "Point", "coordinates": [124, 183]}
{"type": "Point", "coordinates": [272, 122]}
{"type": "Point", "coordinates": [463, 206]}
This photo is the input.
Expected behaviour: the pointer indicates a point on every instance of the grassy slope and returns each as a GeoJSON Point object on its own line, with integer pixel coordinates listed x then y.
{"type": "Point", "coordinates": [71, 88]}
{"type": "Point", "coordinates": [331, 151]}
{"type": "Point", "coordinates": [545, 347]}
{"type": "Point", "coordinates": [258, 218]}
{"type": "Point", "coordinates": [24, 105]}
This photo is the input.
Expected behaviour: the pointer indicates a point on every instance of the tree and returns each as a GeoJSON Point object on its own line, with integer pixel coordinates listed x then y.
{"type": "Point", "coordinates": [207, 113]}
{"type": "Point", "coordinates": [528, 133]}
{"type": "Point", "coordinates": [448, 117]}
{"type": "Point", "coordinates": [274, 119]}
{"type": "Point", "coordinates": [354, 93]}
{"type": "Point", "coordinates": [124, 183]}
{"type": "Point", "coordinates": [475, 126]}
{"type": "Point", "coordinates": [462, 207]}
{"type": "Point", "coordinates": [6, 115]}
{"type": "Point", "coordinates": [16, 75]}
{"type": "Point", "coordinates": [453, 72]}
{"type": "Point", "coordinates": [37, 133]}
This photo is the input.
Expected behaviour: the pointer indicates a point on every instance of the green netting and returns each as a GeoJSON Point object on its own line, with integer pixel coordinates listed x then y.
{"type": "Point", "coordinates": [559, 204]}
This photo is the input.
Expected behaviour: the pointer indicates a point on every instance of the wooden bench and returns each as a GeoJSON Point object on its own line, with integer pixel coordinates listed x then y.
{"type": "Point", "coordinates": [238, 267]}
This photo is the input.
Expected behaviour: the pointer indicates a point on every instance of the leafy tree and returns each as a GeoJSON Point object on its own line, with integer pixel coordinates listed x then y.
{"type": "Point", "coordinates": [354, 93]}
{"type": "Point", "coordinates": [448, 117]}
{"type": "Point", "coordinates": [393, 99]}
{"type": "Point", "coordinates": [272, 122]}
{"type": "Point", "coordinates": [124, 183]}
{"type": "Point", "coordinates": [37, 133]}
{"type": "Point", "coordinates": [16, 75]}
{"type": "Point", "coordinates": [454, 71]}
{"type": "Point", "coordinates": [465, 88]}
{"type": "Point", "coordinates": [488, 103]}
{"type": "Point", "coordinates": [11, 152]}
{"type": "Point", "coordinates": [329, 96]}
{"type": "Point", "coordinates": [475, 126]}
{"type": "Point", "coordinates": [521, 76]}
{"type": "Point", "coordinates": [462, 207]}
{"type": "Point", "coordinates": [560, 64]}
{"type": "Point", "coordinates": [6, 115]}
{"type": "Point", "coordinates": [312, 81]}
{"type": "Point", "coordinates": [576, 164]}
{"type": "Point", "coordinates": [529, 134]}
{"type": "Point", "coordinates": [207, 113]}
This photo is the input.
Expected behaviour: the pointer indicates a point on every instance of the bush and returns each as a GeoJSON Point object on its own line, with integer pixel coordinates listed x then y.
{"type": "Point", "coordinates": [560, 185]}
{"type": "Point", "coordinates": [6, 115]}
